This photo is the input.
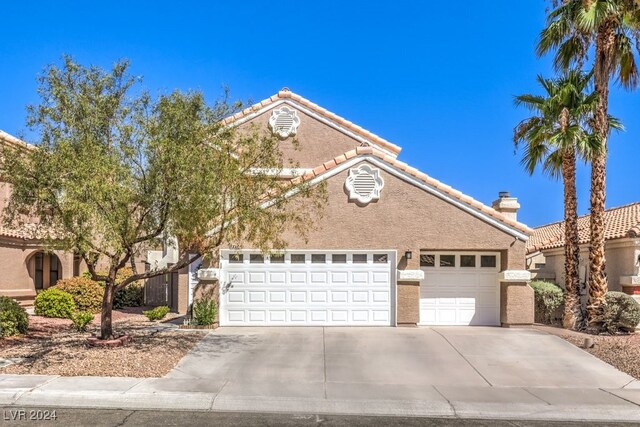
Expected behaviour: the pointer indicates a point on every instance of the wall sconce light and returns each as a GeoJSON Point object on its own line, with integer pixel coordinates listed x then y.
{"type": "Point", "coordinates": [408, 255]}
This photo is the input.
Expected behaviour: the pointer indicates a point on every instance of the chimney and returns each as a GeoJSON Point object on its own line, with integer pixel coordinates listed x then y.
{"type": "Point", "coordinates": [507, 205]}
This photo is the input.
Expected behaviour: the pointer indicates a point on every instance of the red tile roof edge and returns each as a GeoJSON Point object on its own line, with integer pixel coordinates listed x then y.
{"type": "Point", "coordinates": [287, 94]}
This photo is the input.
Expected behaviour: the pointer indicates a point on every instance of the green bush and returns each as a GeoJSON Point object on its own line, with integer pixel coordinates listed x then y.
{"type": "Point", "coordinates": [204, 311]}
{"type": "Point", "coordinates": [621, 312]}
{"type": "Point", "coordinates": [131, 295]}
{"type": "Point", "coordinates": [549, 299]}
{"type": "Point", "coordinates": [87, 294]}
{"type": "Point", "coordinates": [14, 320]}
{"type": "Point", "coordinates": [156, 313]}
{"type": "Point", "coordinates": [54, 302]}
{"type": "Point", "coordinates": [81, 320]}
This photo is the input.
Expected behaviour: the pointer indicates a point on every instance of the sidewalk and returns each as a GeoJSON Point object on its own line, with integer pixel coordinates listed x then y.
{"type": "Point", "coordinates": [593, 404]}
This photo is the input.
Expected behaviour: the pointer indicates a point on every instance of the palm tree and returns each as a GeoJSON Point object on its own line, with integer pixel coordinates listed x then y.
{"type": "Point", "coordinates": [612, 29]}
{"type": "Point", "coordinates": [552, 138]}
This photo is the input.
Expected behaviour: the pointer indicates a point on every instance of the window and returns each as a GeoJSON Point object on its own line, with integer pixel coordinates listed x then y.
{"type": "Point", "coordinates": [339, 258]}
{"type": "Point", "coordinates": [318, 258]}
{"type": "Point", "coordinates": [256, 258]}
{"type": "Point", "coordinates": [298, 258]}
{"type": "Point", "coordinates": [488, 261]}
{"type": "Point", "coordinates": [53, 270]}
{"type": "Point", "coordinates": [380, 258]}
{"type": "Point", "coordinates": [540, 265]}
{"type": "Point", "coordinates": [359, 258]}
{"type": "Point", "coordinates": [467, 260]}
{"type": "Point", "coordinates": [277, 259]}
{"type": "Point", "coordinates": [447, 260]}
{"type": "Point", "coordinates": [427, 260]}
{"type": "Point", "coordinates": [236, 258]}
{"type": "Point", "coordinates": [39, 272]}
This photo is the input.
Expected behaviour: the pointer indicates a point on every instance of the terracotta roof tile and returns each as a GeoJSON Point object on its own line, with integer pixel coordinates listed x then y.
{"type": "Point", "coordinates": [285, 93]}
{"type": "Point", "coordinates": [426, 179]}
{"type": "Point", "coordinates": [619, 222]}
{"type": "Point", "coordinates": [12, 141]}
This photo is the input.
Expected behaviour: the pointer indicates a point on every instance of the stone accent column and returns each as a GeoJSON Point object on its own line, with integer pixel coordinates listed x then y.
{"type": "Point", "coordinates": [516, 298]}
{"type": "Point", "coordinates": [408, 303]}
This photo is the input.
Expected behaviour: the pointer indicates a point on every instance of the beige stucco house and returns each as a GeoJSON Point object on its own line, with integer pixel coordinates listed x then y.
{"type": "Point", "coordinates": [25, 267]}
{"type": "Point", "coordinates": [545, 249]}
{"type": "Point", "coordinates": [394, 247]}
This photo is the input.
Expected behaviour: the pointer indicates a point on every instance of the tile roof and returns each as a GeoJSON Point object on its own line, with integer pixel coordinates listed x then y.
{"type": "Point", "coordinates": [287, 94]}
{"type": "Point", "coordinates": [458, 195]}
{"type": "Point", "coordinates": [12, 141]}
{"type": "Point", "coordinates": [25, 231]}
{"type": "Point", "coordinates": [619, 222]}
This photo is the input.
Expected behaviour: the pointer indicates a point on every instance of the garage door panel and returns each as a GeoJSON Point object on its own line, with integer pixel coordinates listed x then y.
{"type": "Point", "coordinates": [318, 296]}
{"type": "Point", "coordinates": [298, 296]}
{"type": "Point", "coordinates": [310, 293]}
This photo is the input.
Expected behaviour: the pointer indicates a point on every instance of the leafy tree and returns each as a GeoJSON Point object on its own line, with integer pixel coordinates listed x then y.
{"type": "Point", "coordinates": [611, 29]}
{"type": "Point", "coordinates": [558, 132]}
{"type": "Point", "coordinates": [117, 172]}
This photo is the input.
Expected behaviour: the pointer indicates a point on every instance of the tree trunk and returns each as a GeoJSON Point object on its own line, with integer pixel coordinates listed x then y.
{"type": "Point", "coordinates": [106, 328]}
{"type": "Point", "coordinates": [597, 279]}
{"type": "Point", "coordinates": [573, 316]}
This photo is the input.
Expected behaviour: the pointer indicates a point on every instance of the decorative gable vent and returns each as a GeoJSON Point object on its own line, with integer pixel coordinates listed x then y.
{"type": "Point", "coordinates": [364, 184]}
{"type": "Point", "coordinates": [284, 122]}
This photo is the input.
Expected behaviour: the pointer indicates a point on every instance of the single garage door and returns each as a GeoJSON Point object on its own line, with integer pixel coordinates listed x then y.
{"type": "Point", "coordinates": [313, 288]}
{"type": "Point", "coordinates": [460, 288]}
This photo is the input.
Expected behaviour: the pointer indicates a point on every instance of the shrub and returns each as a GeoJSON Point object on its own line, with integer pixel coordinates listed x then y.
{"type": "Point", "coordinates": [621, 312]}
{"type": "Point", "coordinates": [87, 294]}
{"type": "Point", "coordinates": [549, 298]}
{"type": "Point", "coordinates": [204, 311]}
{"type": "Point", "coordinates": [13, 318]}
{"type": "Point", "coordinates": [156, 313]}
{"type": "Point", "coordinates": [81, 320]}
{"type": "Point", "coordinates": [131, 295]}
{"type": "Point", "coordinates": [54, 302]}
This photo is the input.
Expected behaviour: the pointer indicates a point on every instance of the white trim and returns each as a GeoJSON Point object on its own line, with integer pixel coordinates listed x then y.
{"type": "Point", "coordinates": [316, 116]}
{"type": "Point", "coordinates": [515, 276]}
{"type": "Point", "coordinates": [284, 172]}
{"type": "Point", "coordinates": [410, 275]}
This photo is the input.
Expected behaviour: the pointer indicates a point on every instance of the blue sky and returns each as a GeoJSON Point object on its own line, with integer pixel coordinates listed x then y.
{"type": "Point", "coordinates": [434, 78]}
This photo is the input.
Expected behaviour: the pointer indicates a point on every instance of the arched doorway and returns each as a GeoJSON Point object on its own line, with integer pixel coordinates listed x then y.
{"type": "Point", "coordinates": [47, 269]}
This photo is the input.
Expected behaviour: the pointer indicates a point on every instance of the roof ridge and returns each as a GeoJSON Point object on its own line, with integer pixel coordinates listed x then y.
{"type": "Point", "coordinates": [285, 93]}
{"type": "Point", "coordinates": [447, 189]}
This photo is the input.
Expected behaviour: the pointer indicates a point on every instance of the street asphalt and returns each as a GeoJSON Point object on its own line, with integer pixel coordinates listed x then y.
{"type": "Point", "coordinates": [447, 372]}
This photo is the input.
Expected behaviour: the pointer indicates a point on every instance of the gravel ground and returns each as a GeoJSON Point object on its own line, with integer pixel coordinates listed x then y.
{"type": "Point", "coordinates": [52, 347]}
{"type": "Point", "coordinates": [621, 351]}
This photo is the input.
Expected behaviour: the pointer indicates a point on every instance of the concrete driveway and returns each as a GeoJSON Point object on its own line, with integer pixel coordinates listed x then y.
{"type": "Point", "coordinates": [388, 363]}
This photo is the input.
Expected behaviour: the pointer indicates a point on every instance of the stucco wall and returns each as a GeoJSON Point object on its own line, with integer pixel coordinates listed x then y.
{"type": "Point", "coordinates": [317, 141]}
{"type": "Point", "coordinates": [621, 257]}
{"type": "Point", "coordinates": [17, 268]}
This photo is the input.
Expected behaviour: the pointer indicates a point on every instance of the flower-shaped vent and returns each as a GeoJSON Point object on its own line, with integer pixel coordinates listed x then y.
{"type": "Point", "coordinates": [284, 122]}
{"type": "Point", "coordinates": [364, 184]}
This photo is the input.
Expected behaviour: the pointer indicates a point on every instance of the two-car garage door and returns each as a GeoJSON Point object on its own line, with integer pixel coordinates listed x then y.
{"type": "Point", "coordinates": [307, 288]}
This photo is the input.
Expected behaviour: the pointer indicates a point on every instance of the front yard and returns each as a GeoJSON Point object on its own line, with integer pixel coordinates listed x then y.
{"type": "Point", "coordinates": [621, 351]}
{"type": "Point", "coordinates": [53, 347]}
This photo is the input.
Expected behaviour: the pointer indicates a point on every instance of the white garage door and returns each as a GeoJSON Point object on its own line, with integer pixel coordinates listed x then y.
{"type": "Point", "coordinates": [307, 288]}
{"type": "Point", "coordinates": [460, 288]}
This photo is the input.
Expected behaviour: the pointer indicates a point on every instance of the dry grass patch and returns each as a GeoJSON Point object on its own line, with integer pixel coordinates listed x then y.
{"type": "Point", "coordinates": [620, 351]}
{"type": "Point", "coordinates": [52, 347]}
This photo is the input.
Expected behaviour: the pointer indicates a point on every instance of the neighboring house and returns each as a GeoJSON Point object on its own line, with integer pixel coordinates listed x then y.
{"type": "Point", "coordinates": [394, 247]}
{"type": "Point", "coordinates": [25, 267]}
{"type": "Point", "coordinates": [545, 249]}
